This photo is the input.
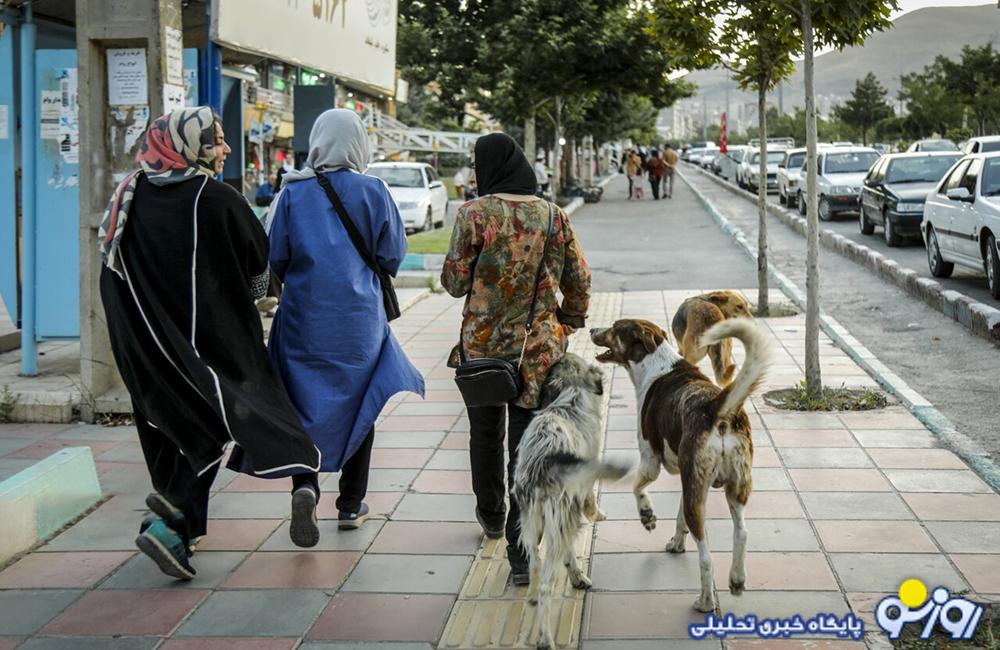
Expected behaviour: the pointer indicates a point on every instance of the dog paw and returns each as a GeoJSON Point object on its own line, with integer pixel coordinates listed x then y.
{"type": "Point", "coordinates": [533, 601]}
{"type": "Point", "coordinates": [581, 582]}
{"type": "Point", "coordinates": [705, 605]}
{"type": "Point", "coordinates": [599, 515]}
{"type": "Point", "coordinates": [736, 587]}
{"type": "Point", "coordinates": [648, 519]}
{"type": "Point", "coordinates": [543, 645]}
{"type": "Point", "coordinates": [676, 545]}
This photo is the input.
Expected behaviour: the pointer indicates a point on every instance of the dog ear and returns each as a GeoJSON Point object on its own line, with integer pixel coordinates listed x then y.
{"type": "Point", "coordinates": [652, 340]}
{"type": "Point", "coordinates": [717, 298]}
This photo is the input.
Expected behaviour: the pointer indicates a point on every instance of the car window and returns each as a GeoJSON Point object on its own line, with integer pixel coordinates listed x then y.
{"type": "Point", "coordinates": [796, 160]}
{"type": "Point", "coordinates": [989, 146]}
{"type": "Point", "coordinates": [877, 172]}
{"type": "Point", "coordinates": [991, 177]}
{"type": "Point", "coordinates": [954, 177]}
{"type": "Point", "coordinates": [927, 169]}
{"type": "Point", "coordinates": [849, 162]}
{"type": "Point", "coordinates": [971, 176]}
{"type": "Point", "coordinates": [398, 176]}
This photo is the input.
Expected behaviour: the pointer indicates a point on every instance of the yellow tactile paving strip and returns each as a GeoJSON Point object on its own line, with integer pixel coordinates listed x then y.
{"type": "Point", "coordinates": [490, 611]}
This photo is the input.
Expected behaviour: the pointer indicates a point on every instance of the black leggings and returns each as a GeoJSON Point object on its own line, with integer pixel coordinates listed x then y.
{"type": "Point", "coordinates": [353, 477]}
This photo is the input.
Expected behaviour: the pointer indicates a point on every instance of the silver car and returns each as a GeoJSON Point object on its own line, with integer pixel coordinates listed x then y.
{"type": "Point", "coordinates": [839, 176]}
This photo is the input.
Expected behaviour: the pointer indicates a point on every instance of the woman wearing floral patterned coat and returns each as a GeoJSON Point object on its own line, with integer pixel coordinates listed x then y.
{"type": "Point", "coordinates": [495, 252]}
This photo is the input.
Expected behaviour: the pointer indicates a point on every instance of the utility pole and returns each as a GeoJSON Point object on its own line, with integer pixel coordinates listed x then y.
{"type": "Point", "coordinates": [781, 98]}
{"type": "Point", "coordinates": [704, 117]}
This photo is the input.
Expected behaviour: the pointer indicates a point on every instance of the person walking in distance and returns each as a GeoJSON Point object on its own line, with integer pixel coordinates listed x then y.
{"type": "Point", "coordinates": [669, 167]}
{"type": "Point", "coordinates": [654, 167]}
{"type": "Point", "coordinates": [633, 169]}
{"type": "Point", "coordinates": [184, 259]}
{"type": "Point", "coordinates": [498, 252]}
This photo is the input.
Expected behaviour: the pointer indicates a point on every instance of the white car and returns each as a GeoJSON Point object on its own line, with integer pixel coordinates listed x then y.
{"type": "Point", "coordinates": [420, 195]}
{"type": "Point", "coordinates": [934, 144]}
{"type": "Point", "coordinates": [743, 167]}
{"type": "Point", "coordinates": [751, 174]}
{"type": "Point", "coordinates": [731, 160]}
{"type": "Point", "coordinates": [790, 176]}
{"type": "Point", "coordinates": [840, 173]}
{"type": "Point", "coordinates": [961, 222]}
{"type": "Point", "coordinates": [981, 144]}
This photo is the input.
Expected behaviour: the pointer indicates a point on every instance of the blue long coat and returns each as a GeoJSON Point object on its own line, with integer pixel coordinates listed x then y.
{"type": "Point", "coordinates": [330, 340]}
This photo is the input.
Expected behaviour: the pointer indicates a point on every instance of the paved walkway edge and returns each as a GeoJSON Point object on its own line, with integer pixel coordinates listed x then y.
{"type": "Point", "coordinates": [981, 319]}
{"type": "Point", "coordinates": [922, 409]}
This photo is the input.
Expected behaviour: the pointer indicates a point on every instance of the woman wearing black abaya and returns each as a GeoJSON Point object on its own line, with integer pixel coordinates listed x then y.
{"type": "Point", "coordinates": [178, 288]}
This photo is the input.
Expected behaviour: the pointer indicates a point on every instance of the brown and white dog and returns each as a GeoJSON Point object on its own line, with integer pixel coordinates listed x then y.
{"type": "Point", "coordinates": [691, 427]}
{"type": "Point", "coordinates": [693, 319]}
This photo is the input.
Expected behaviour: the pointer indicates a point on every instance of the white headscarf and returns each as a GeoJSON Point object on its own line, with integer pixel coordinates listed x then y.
{"type": "Point", "coordinates": [338, 140]}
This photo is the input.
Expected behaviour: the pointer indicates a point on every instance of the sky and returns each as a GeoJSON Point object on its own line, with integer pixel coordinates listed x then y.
{"type": "Point", "coordinates": [910, 5]}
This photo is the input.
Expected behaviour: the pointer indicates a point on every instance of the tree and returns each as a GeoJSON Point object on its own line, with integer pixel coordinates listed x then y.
{"type": "Point", "coordinates": [976, 80]}
{"type": "Point", "coordinates": [866, 106]}
{"type": "Point", "coordinates": [838, 24]}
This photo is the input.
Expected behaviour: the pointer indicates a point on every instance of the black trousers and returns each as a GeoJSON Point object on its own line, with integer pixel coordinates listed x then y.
{"type": "Point", "coordinates": [487, 432]}
{"type": "Point", "coordinates": [174, 478]}
{"type": "Point", "coordinates": [654, 182]}
{"type": "Point", "coordinates": [353, 477]}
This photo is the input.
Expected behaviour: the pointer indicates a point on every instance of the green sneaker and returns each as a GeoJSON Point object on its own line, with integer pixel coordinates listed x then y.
{"type": "Point", "coordinates": [165, 547]}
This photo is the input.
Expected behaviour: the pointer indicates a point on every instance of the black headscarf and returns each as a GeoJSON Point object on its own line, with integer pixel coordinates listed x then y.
{"type": "Point", "coordinates": [501, 167]}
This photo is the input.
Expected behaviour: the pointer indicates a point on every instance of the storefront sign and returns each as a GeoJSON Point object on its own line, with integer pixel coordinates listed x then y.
{"type": "Point", "coordinates": [354, 41]}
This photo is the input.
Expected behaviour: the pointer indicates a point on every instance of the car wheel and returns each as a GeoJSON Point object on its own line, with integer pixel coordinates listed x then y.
{"type": "Point", "coordinates": [824, 209]}
{"type": "Point", "coordinates": [867, 227]}
{"type": "Point", "coordinates": [800, 203]}
{"type": "Point", "coordinates": [892, 238]}
{"type": "Point", "coordinates": [429, 221]}
{"type": "Point", "coordinates": [938, 267]}
{"type": "Point", "coordinates": [992, 266]}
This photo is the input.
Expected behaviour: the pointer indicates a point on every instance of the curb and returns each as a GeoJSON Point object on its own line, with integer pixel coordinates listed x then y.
{"type": "Point", "coordinates": [923, 410]}
{"type": "Point", "coordinates": [981, 319]}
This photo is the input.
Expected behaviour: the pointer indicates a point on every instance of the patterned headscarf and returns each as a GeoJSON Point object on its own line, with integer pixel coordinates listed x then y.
{"type": "Point", "coordinates": [177, 146]}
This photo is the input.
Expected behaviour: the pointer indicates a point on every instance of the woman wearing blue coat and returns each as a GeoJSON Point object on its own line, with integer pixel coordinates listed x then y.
{"type": "Point", "coordinates": [330, 339]}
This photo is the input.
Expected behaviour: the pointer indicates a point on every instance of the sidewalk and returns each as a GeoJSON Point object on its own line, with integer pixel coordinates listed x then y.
{"type": "Point", "coordinates": [845, 507]}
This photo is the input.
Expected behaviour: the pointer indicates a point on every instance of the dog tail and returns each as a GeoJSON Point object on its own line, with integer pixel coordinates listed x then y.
{"type": "Point", "coordinates": [755, 364]}
{"type": "Point", "coordinates": [579, 474]}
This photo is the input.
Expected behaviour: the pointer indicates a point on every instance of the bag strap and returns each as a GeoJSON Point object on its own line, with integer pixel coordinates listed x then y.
{"type": "Point", "coordinates": [352, 230]}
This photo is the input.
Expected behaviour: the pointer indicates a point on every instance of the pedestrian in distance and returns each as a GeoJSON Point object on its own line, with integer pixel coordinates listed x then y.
{"type": "Point", "coordinates": [330, 339]}
{"type": "Point", "coordinates": [498, 254]}
{"type": "Point", "coordinates": [184, 259]}
{"type": "Point", "coordinates": [266, 191]}
{"type": "Point", "coordinates": [655, 167]}
{"type": "Point", "coordinates": [541, 176]}
{"type": "Point", "coordinates": [669, 167]}
{"type": "Point", "coordinates": [633, 170]}
{"type": "Point", "coordinates": [461, 181]}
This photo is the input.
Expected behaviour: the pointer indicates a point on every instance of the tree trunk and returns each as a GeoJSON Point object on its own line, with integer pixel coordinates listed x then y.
{"type": "Point", "coordinates": [530, 142]}
{"type": "Point", "coordinates": [814, 380]}
{"type": "Point", "coordinates": [763, 303]}
{"type": "Point", "coordinates": [557, 151]}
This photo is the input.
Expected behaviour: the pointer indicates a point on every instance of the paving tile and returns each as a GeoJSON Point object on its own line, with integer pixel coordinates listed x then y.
{"type": "Point", "coordinates": [937, 480]}
{"type": "Point", "coordinates": [380, 480]}
{"type": "Point", "coordinates": [400, 458]}
{"type": "Point", "coordinates": [9, 642]}
{"type": "Point", "coordinates": [621, 439]}
{"type": "Point", "coordinates": [142, 573]}
{"type": "Point", "coordinates": [330, 537]}
{"type": "Point", "coordinates": [955, 507]}
{"type": "Point", "coordinates": [785, 420]}
{"type": "Point", "coordinates": [26, 611]}
{"type": "Point", "coordinates": [39, 449]}
{"type": "Point", "coordinates": [879, 420]}
{"type": "Point", "coordinates": [765, 457]}
{"type": "Point", "coordinates": [383, 617]}
{"type": "Point", "coordinates": [237, 534]}
{"type": "Point", "coordinates": [247, 505]}
{"type": "Point", "coordinates": [764, 535]}
{"type": "Point", "coordinates": [453, 459]}
{"type": "Point", "coordinates": [456, 440]}
{"type": "Point", "coordinates": [408, 439]}
{"type": "Point", "coordinates": [789, 644]}
{"type": "Point", "coordinates": [125, 452]}
{"type": "Point", "coordinates": [632, 644]}
{"type": "Point", "coordinates": [443, 482]}
{"type": "Point", "coordinates": [884, 572]}
{"type": "Point", "coordinates": [111, 527]}
{"type": "Point", "coordinates": [98, 432]}
{"type": "Point", "coordinates": [436, 507]}
{"type": "Point", "coordinates": [874, 537]}
{"type": "Point", "coordinates": [647, 615]}
{"type": "Point", "coordinates": [966, 536]}
{"type": "Point", "coordinates": [91, 643]}
{"type": "Point", "coordinates": [783, 604]}
{"type": "Point", "coordinates": [812, 438]}
{"type": "Point", "coordinates": [421, 422]}
{"type": "Point", "coordinates": [981, 571]}
{"type": "Point", "coordinates": [837, 480]}
{"type": "Point", "coordinates": [426, 574]}
{"type": "Point", "coordinates": [766, 479]}
{"type": "Point", "coordinates": [428, 538]}
{"type": "Point", "coordinates": [666, 482]}
{"type": "Point", "coordinates": [762, 505]}
{"type": "Point", "coordinates": [125, 612]}
{"type": "Point", "coordinates": [825, 457]}
{"type": "Point", "coordinates": [452, 407]}
{"type": "Point", "coordinates": [10, 445]}
{"type": "Point", "coordinates": [61, 570]}
{"type": "Point", "coordinates": [247, 483]}
{"type": "Point", "coordinates": [889, 438]}
{"type": "Point", "coordinates": [855, 505]}
{"type": "Point", "coordinates": [301, 570]}
{"type": "Point", "coordinates": [381, 504]}
{"type": "Point", "coordinates": [257, 613]}
{"type": "Point", "coordinates": [361, 645]}
{"type": "Point", "coordinates": [229, 644]}
{"type": "Point", "coordinates": [645, 571]}
{"type": "Point", "coordinates": [779, 571]}
{"type": "Point", "coordinates": [916, 459]}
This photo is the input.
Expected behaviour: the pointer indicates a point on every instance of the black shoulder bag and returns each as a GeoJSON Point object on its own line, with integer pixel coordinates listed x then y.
{"type": "Point", "coordinates": [389, 300]}
{"type": "Point", "coordinates": [494, 382]}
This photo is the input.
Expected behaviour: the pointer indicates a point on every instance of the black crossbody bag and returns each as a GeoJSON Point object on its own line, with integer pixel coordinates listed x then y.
{"type": "Point", "coordinates": [494, 382]}
{"type": "Point", "coordinates": [389, 300]}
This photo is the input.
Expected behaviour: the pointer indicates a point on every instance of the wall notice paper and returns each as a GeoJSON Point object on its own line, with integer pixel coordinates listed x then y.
{"type": "Point", "coordinates": [4, 122]}
{"type": "Point", "coordinates": [69, 119]}
{"type": "Point", "coordinates": [127, 78]}
{"type": "Point", "coordinates": [50, 113]}
{"type": "Point", "coordinates": [173, 97]}
{"type": "Point", "coordinates": [174, 52]}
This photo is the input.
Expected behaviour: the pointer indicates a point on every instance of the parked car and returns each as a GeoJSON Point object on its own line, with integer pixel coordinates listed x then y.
{"type": "Point", "coordinates": [420, 195]}
{"type": "Point", "coordinates": [839, 174]}
{"type": "Point", "coordinates": [982, 144]}
{"type": "Point", "coordinates": [753, 170]}
{"type": "Point", "coordinates": [962, 219]}
{"type": "Point", "coordinates": [895, 189]}
{"type": "Point", "coordinates": [743, 169]}
{"type": "Point", "coordinates": [937, 144]}
{"type": "Point", "coordinates": [731, 161]}
{"type": "Point", "coordinates": [693, 154]}
{"type": "Point", "coordinates": [790, 176]}
{"type": "Point", "coordinates": [705, 156]}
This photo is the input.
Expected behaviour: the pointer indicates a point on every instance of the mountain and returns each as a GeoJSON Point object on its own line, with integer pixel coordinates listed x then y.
{"type": "Point", "coordinates": [912, 43]}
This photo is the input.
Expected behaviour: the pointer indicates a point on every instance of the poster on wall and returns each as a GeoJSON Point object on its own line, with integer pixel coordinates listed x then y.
{"type": "Point", "coordinates": [174, 52]}
{"type": "Point", "coordinates": [173, 97]}
{"type": "Point", "coordinates": [127, 77]}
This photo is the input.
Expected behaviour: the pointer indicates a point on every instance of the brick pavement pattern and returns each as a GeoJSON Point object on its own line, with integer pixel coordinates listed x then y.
{"type": "Point", "coordinates": [845, 507]}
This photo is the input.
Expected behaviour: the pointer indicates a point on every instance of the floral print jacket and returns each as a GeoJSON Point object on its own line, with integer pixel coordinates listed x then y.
{"type": "Point", "coordinates": [496, 248]}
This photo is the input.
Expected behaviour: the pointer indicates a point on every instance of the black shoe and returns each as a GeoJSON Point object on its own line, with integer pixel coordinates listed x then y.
{"type": "Point", "coordinates": [490, 530]}
{"type": "Point", "coordinates": [520, 569]}
{"type": "Point", "coordinates": [353, 520]}
{"type": "Point", "coordinates": [303, 529]}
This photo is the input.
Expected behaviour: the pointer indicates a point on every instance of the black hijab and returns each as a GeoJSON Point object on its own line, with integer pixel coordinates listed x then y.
{"type": "Point", "coordinates": [501, 167]}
